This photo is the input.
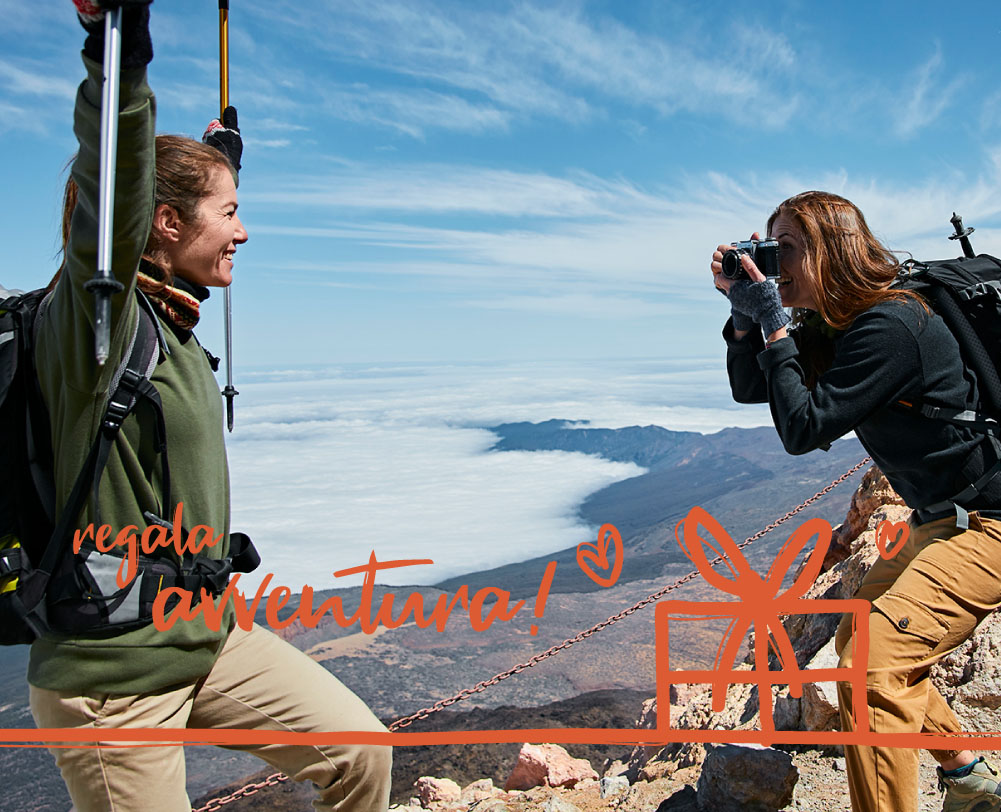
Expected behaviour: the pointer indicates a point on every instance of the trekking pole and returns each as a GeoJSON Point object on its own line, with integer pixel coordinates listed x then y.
{"type": "Point", "coordinates": [962, 234]}
{"type": "Point", "coordinates": [103, 285]}
{"type": "Point", "coordinates": [229, 392]}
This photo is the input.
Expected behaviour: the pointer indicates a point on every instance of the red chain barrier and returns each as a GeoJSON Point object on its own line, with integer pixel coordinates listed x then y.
{"type": "Point", "coordinates": [424, 713]}
{"type": "Point", "coordinates": [218, 803]}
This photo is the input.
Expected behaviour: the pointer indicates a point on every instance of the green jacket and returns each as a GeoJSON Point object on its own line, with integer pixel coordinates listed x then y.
{"type": "Point", "coordinates": [76, 391]}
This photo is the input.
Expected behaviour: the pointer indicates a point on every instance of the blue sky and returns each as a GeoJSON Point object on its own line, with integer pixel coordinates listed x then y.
{"type": "Point", "coordinates": [451, 182]}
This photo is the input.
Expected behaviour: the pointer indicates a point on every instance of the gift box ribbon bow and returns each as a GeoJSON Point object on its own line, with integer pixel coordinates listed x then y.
{"type": "Point", "coordinates": [762, 600]}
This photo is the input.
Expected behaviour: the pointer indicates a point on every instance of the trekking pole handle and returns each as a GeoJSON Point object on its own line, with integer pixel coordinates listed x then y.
{"type": "Point", "coordinates": [103, 285]}
{"type": "Point", "coordinates": [962, 234]}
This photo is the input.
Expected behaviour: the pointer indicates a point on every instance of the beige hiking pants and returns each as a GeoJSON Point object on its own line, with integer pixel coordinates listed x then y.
{"type": "Point", "coordinates": [259, 682]}
{"type": "Point", "coordinates": [926, 601]}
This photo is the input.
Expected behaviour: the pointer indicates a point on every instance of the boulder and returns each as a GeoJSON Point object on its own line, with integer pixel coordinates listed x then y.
{"type": "Point", "coordinates": [745, 778]}
{"type": "Point", "coordinates": [684, 800]}
{"type": "Point", "coordinates": [555, 804]}
{"type": "Point", "coordinates": [479, 791]}
{"type": "Point", "coordinates": [970, 677]}
{"type": "Point", "coordinates": [820, 699]}
{"type": "Point", "coordinates": [437, 790]}
{"type": "Point", "coordinates": [873, 492]}
{"type": "Point", "coordinates": [608, 787]}
{"type": "Point", "coordinates": [547, 765]}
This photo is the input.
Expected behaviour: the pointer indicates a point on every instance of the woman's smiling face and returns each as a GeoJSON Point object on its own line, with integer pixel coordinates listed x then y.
{"type": "Point", "coordinates": [204, 253]}
{"type": "Point", "coordinates": [795, 287]}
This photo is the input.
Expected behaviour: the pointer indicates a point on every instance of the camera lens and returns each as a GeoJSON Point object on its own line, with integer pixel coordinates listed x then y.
{"type": "Point", "coordinates": [732, 267]}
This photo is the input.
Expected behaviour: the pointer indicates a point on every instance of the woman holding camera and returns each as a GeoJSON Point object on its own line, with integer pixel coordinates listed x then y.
{"type": "Point", "coordinates": [858, 356]}
{"type": "Point", "coordinates": [176, 231]}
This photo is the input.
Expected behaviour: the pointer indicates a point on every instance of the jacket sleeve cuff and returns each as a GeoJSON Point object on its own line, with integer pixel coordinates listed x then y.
{"type": "Point", "coordinates": [133, 91]}
{"type": "Point", "coordinates": [753, 342]}
{"type": "Point", "coordinates": [777, 352]}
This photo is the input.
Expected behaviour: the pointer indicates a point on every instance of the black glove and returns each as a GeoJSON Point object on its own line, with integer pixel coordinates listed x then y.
{"type": "Point", "coordinates": [225, 136]}
{"type": "Point", "coordinates": [137, 48]}
{"type": "Point", "coordinates": [759, 301]}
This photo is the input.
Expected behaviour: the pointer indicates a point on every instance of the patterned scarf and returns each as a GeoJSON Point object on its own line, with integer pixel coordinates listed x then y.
{"type": "Point", "coordinates": [178, 301]}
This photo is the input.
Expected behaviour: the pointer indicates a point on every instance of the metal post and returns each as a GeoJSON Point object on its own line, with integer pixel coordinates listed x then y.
{"type": "Point", "coordinates": [229, 392]}
{"type": "Point", "coordinates": [103, 285]}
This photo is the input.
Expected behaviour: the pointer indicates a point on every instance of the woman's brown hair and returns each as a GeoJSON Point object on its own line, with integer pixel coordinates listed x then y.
{"type": "Point", "coordinates": [184, 173]}
{"type": "Point", "coordinates": [848, 269]}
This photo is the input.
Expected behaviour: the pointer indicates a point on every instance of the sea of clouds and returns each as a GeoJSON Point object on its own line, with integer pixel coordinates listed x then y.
{"type": "Point", "coordinates": [331, 464]}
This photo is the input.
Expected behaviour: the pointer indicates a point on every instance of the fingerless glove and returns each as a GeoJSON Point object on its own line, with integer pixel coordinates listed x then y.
{"type": "Point", "coordinates": [759, 301]}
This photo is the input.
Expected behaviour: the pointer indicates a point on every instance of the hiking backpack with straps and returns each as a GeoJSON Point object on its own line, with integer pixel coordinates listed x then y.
{"type": "Point", "coordinates": [966, 293]}
{"type": "Point", "coordinates": [43, 586]}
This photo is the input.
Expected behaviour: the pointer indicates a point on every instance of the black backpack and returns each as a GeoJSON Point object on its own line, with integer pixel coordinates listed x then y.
{"type": "Point", "coordinates": [966, 293]}
{"type": "Point", "coordinates": [43, 586]}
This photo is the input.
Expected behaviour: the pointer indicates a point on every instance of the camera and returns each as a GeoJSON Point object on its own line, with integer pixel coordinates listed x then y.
{"type": "Point", "coordinates": [765, 254]}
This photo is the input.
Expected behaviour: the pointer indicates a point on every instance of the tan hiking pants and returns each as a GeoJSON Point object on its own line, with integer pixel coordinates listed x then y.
{"type": "Point", "coordinates": [926, 601]}
{"type": "Point", "coordinates": [259, 682]}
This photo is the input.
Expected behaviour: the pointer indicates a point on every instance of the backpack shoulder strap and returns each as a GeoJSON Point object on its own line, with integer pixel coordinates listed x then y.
{"type": "Point", "coordinates": [130, 383]}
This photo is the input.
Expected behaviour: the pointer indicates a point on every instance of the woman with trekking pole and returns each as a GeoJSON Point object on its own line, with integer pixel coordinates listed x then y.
{"type": "Point", "coordinates": [103, 664]}
{"type": "Point", "coordinates": [862, 355]}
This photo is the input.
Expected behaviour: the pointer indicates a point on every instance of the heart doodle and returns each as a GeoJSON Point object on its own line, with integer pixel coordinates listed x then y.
{"type": "Point", "coordinates": [897, 532]}
{"type": "Point", "coordinates": [597, 553]}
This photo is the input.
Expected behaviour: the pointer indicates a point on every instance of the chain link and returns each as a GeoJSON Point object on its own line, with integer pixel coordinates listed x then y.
{"type": "Point", "coordinates": [250, 789]}
{"type": "Point", "coordinates": [273, 780]}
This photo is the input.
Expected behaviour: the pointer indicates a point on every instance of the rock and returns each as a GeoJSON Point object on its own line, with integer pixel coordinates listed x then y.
{"type": "Point", "coordinates": [555, 804]}
{"type": "Point", "coordinates": [437, 790]}
{"type": "Point", "coordinates": [873, 492]}
{"type": "Point", "coordinates": [660, 766]}
{"type": "Point", "coordinates": [745, 778]}
{"type": "Point", "coordinates": [810, 633]}
{"type": "Point", "coordinates": [787, 710]}
{"type": "Point", "coordinates": [970, 677]}
{"type": "Point", "coordinates": [820, 699]}
{"type": "Point", "coordinates": [547, 765]}
{"type": "Point", "coordinates": [684, 800]}
{"type": "Point", "coordinates": [613, 786]}
{"type": "Point", "coordinates": [479, 791]}
{"type": "Point", "coordinates": [641, 754]}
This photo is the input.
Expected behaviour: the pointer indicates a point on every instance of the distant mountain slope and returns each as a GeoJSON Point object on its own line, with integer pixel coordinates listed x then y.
{"type": "Point", "coordinates": [744, 477]}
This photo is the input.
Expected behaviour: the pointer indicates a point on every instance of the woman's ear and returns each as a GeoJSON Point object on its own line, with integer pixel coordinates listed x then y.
{"type": "Point", "coordinates": [167, 224]}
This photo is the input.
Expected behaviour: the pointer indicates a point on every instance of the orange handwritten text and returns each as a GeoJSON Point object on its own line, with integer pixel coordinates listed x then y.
{"type": "Point", "coordinates": [153, 537]}
{"type": "Point", "coordinates": [486, 605]}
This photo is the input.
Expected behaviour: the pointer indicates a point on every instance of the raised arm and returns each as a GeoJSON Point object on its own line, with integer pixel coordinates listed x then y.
{"type": "Point", "coordinates": [69, 321]}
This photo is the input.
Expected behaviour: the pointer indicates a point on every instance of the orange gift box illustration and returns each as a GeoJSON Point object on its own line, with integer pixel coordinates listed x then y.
{"type": "Point", "coordinates": [761, 603]}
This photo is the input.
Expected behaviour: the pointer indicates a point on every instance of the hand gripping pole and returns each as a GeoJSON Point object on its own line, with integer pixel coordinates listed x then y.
{"type": "Point", "coordinates": [229, 392]}
{"type": "Point", "coordinates": [103, 285]}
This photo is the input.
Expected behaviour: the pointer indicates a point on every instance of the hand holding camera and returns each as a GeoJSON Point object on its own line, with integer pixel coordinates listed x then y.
{"type": "Point", "coordinates": [741, 271]}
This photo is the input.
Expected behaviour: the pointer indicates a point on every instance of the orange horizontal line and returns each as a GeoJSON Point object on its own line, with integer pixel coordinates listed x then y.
{"type": "Point", "coordinates": [18, 737]}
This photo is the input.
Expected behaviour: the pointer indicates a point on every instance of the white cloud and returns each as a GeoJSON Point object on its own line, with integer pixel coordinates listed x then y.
{"type": "Point", "coordinates": [267, 143]}
{"type": "Point", "coordinates": [580, 243]}
{"type": "Point", "coordinates": [579, 305]}
{"type": "Point", "coordinates": [35, 82]}
{"type": "Point", "coordinates": [926, 96]}
{"type": "Point", "coordinates": [452, 188]}
{"type": "Point", "coordinates": [329, 465]}
{"type": "Point", "coordinates": [487, 65]}
{"type": "Point", "coordinates": [14, 117]}
{"type": "Point", "coordinates": [414, 111]}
